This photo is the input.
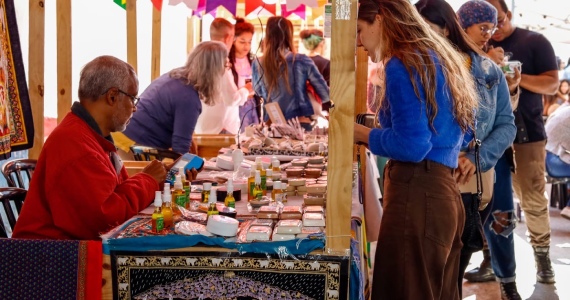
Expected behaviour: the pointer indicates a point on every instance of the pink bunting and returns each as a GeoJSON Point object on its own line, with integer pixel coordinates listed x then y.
{"type": "Point", "coordinates": [292, 5]}
{"type": "Point", "coordinates": [230, 5]}
{"type": "Point", "coordinates": [191, 4]}
{"type": "Point", "coordinates": [299, 11]}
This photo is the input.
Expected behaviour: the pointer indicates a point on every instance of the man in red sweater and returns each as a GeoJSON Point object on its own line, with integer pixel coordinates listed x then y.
{"type": "Point", "coordinates": [80, 188]}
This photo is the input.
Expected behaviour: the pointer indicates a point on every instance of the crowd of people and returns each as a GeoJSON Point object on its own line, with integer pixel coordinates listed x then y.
{"type": "Point", "coordinates": [448, 112]}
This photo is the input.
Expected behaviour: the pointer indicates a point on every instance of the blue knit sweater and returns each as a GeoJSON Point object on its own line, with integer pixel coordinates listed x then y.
{"type": "Point", "coordinates": [405, 133]}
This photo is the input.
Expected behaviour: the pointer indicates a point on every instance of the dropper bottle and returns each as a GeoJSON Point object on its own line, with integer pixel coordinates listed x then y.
{"type": "Point", "coordinates": [212, 208]}
{"type": "Point", "coordinates": [178, 194]}
{"type": "Point", "coordinates": [185, 184]}
{"type": "Point", "coordinates": [167, 211]}
{"type": "Point", "coordinates": [157, 222]}
{"type": "Point", "coordinates": [230, 201]}
{"type": "Point", "coordinates": [206, 187]}
{"type": "Point", "coordinates": [257, 190]}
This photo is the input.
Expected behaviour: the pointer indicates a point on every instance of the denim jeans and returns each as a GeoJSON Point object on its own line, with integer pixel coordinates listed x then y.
{"type": "Point", "coordinates": [501, 245]}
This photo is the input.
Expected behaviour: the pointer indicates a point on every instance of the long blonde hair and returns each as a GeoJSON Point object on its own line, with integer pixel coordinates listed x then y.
{"type": "Point", "coordinates": [406, 36]}
{"type": "Point", "coordinates": [204, 70]}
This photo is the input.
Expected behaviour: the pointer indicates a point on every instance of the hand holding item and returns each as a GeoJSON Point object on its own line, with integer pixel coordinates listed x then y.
{"type": "Point", "coordinates": [496, 54]}
{"type": "Point", "coordinates": [513, 80]}
{"type": "Point", "coordinates": [361, 134]}
{"type": "Point", "coordinates": [465, 169]}
{"type": "Point", "coordinates": [157, 170]}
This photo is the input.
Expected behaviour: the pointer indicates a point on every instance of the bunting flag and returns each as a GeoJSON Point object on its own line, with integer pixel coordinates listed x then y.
{"type": "Point", "coordinates": [200, 10]}
{"type": "Point", "coordinates": [230, 5]}
{"type": "Point", "coordinates": [299, 11]}
{"type": "Point", "coordinates": [251, 5]}
{"type": "Point", "coordinates": [191, 4]}
{"type": "Point", "coordinates": [292, 5]}
{"type": "Point", "coordinates": [121, 3]}
{"type": "Point", "coordinates": [157, 4]}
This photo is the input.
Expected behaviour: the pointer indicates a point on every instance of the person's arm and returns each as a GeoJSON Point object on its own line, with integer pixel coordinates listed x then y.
{"type": "Point", "coordinates": [546, 83]}
{"type": "Point", "coordinates": [186, 113]}
{"type": "Point", "coordinates": [86, 198]}
{"type": "Point", "coordinates": [231, 94]}
{"type": "Point", "coordinates": [317, 81]}
{"type": "Point", "coordinates": [503, 132]}
{"type": "Point", "coordinates": [409, 136]}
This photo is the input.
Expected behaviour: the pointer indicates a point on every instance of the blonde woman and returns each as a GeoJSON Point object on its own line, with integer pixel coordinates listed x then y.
{"type": "Point", "coordinates": [168, 109]}
{"type": "Point", "coordinates": [426, 104]}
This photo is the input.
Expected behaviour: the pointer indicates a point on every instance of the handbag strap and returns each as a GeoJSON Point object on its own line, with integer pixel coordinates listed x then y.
{"type": "Point", "coordinates": [478, 171]}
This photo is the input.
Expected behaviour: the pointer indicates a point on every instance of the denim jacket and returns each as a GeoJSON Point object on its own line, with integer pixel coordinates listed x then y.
{"type": "Point", "coordinates": [495, 120]}
{"type": "Point", "coordinates": [300, 69]}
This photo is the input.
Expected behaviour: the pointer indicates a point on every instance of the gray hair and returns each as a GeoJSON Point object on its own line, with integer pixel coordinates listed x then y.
{"type": "Point", "coordinates": [101, 74]}
{"type": "Point", "coordinates": [204, 70]}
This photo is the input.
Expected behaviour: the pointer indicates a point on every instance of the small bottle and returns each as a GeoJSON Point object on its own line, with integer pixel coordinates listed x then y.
{"type": "Point", "coordinates": [263, 175]}
{"type": "Point", "coordinates": [283, 192]}
{"type": "Point", "coordinates": [157, 217]}
{"type": "Point", "coordinates": [250, 184]}
{"type": "Point", "coordinates": [257, 189]}
{"type": "Point", "coordinates": [206, 187]}
{"type": "Point", "coordinates": [185, 184]}
{"type": "Point", "coordinates": [178, 193]}
{"type": "Point", "coordinates": [275, 164]}
{"type": "Point", "coordinates": [268, 181]}
{"type": "Point", "coordinates": [167, 211]}
{"type": "Point", "coordinates": [230, 201]}
{"type": "Point", "coordinates": [212, 208]}
{"type": "Point", "coordinates": [277, 193]}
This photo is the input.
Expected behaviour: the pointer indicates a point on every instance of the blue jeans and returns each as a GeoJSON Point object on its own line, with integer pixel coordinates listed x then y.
{"type": "Point", "coordinates": [502, 245]}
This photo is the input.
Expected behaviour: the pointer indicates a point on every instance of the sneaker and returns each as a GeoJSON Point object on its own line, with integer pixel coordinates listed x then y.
{"type": "Point", "coordinates": [565, 213]}
{"type": "Point", "coordinates": [509, 291]}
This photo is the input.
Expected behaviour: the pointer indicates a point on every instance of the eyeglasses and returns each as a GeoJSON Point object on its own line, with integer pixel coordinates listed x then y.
{"type": "Point", "coordinates": [486, 30]}
{"type": "Point", "coordinates": [134, 99]}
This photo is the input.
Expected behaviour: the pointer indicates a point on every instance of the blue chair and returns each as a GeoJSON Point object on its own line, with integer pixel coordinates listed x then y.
{"type": "Point", "coordinates": [558, 175]}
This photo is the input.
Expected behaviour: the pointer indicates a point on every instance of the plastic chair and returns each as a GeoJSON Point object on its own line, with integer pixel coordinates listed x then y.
{"type": "Point", "coordinates": [144, 153]}
{"type": "Point", "coordinates": [9, 195]}
{"type": "Point", "coordinates": [558, 175]}
{"type": "Point", "coordinates": [18, 172]}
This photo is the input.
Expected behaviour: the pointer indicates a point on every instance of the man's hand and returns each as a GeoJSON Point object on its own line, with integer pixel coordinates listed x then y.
{"type": "Point", "coordinates": [465, 169]}
{"type": "Point", "coordinates": [496, 54]}
{"type": "Point", "coordinates": [514, 81]}
{"type": "Point", "coordinates": [191, 174]}
{"type": "Point", "coordinates": [361, 134]}
{"type": "Point", "coordinates": [157, 170]}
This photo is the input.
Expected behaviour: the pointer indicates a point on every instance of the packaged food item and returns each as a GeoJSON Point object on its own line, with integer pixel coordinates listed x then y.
{"type": "Point", "coordinates": [262, 222]}
{"type": "Point", "coordinates": [317, 188]}
{"type": "Point", "coordinates": [314, 199]}
{"type": "Point", "coordinates": [258, 233]}
{"type": "Point", "coordinates": [299, 163]}
{"type": "Point", "coordinates": [292, 212]}
{"type": "Point", "coordinates": [268, 212]}
{"type": "Point", "coordinates": [289, 226]}
{"type": "Point", "coordinates": [314, 209]}
{"type": "Point", "coordinates": [222, 225]}
{"type": "Point", "coordinates": [297, 182]}
{"type": "Point", "coordinates": [282, 237]}
{"type": "Point", "coordinates": [306, 231]}
{"type": "Point", "coordinates": [191, 228]}
{"type": "Point", "coordinates": [294, 172]}
{"type": "Point", "coordinates": [313, 173]}
{"type": "Point", "coordinates": [316, 160]}
{"type": "Point", "coordinates": [313, 220]}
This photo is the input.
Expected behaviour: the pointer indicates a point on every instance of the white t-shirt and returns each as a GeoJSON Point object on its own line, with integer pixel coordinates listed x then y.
{"type": "Point", "coordinates": [224, 114]}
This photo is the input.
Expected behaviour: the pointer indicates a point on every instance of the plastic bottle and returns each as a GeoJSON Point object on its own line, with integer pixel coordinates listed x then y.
{"type": "Point", "coordinates": [178, 193]}
{"type": "Point", "coordinates": [275, 164]}
{"type": "Point", "coordinates": [185, 185]}
{"type": "Point", "coordinates": [257, 189]}
{"type": "Point", "coordinates": [283, 192]}
{"type": "Point", "coordinates": [206, 187]}
{"type": "Point", "coordinates": [262, 173]}
{"type": "Point", "coordinates": [212, 208]}
{"type": "Point", "coordinates": [167, 211]}
{"type": "Point", "coordinates": [157, 217]}
{"type": "Point", "coordinates": [276, 193]}
{"type": "Point", "coordinates": [250, 184]}
{"type": "Point", "coordinates": [230, 201]}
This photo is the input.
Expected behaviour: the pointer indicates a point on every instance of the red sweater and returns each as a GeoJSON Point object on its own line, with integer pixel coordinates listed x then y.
{"type": "Point", "coordinates": [75, 192]}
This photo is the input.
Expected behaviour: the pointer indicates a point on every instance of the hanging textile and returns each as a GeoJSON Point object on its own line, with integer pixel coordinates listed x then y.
{"type": "Point", "coordinates": [16, 122]}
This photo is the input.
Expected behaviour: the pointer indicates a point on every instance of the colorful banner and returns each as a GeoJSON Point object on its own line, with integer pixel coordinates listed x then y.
{"type": "Point", "coordinates": [251, 5]}
{"type": "Point", "coordinates": [157, 4]}
{"type": "Point", "coordinates": [230, 5]}
{"type": "Point", "coordinates": [121, 3]}
{"type": "Point", "coordinates": [299, 11]}
{"type": "Point", "coordinates": [191, 4]}
{"type": "Point", "coordinates": [200, 10]}
{"type": "Point", "coordinates": [292, 5]}
{"type": "Point", "coordinates": [16, 121]}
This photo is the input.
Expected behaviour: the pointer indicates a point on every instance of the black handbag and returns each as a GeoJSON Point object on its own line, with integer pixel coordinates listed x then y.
{"type": "Point", "coordinates": [473, 236]}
